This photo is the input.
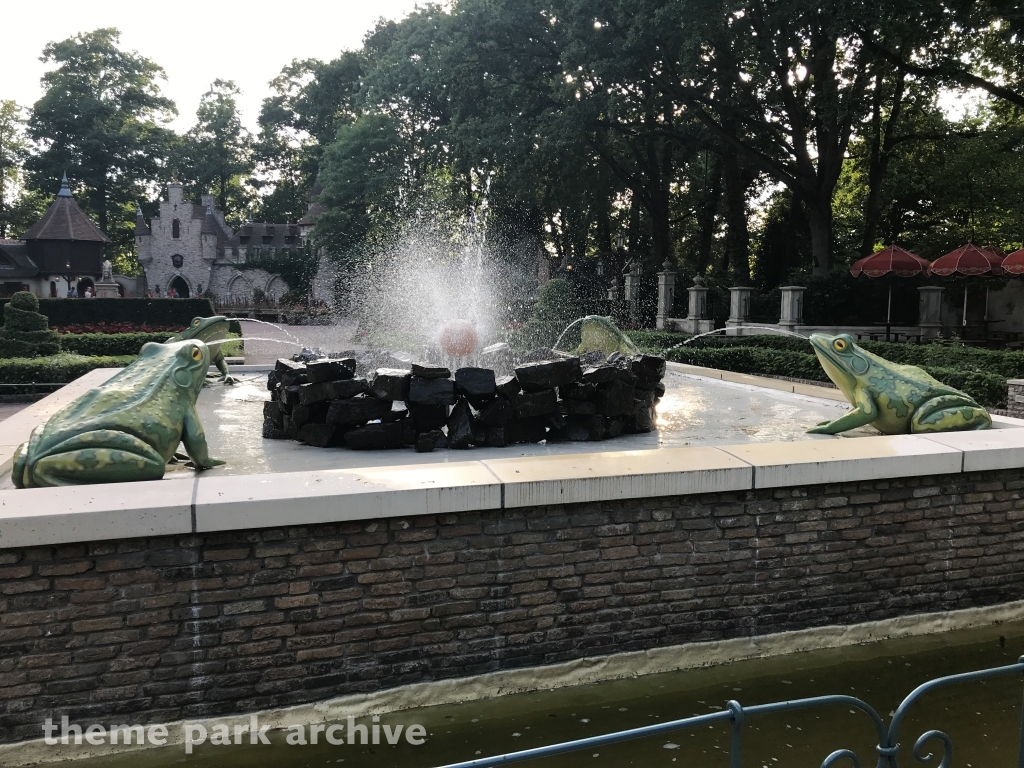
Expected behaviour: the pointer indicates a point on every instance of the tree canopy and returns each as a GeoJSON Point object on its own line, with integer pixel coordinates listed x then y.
{"type": "Point", "coordinates": [746, 140]}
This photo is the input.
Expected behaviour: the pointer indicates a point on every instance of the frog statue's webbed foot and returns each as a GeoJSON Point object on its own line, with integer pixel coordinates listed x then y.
{"type": "Point", "coordinates": [858, 417]}
{"type": "Point", "coordinates": [214, 378]}
{"type": "Point", "coordinates": [950, 413]}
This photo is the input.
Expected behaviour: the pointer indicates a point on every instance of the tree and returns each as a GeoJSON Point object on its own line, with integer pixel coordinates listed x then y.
{"type": "Point", "coordinates": [311, 100]}
{"type": "Point", "coordinates": [13, 151]}
{"type": "Point", "coordinates": [215, 156]}
{"type": "Point", "coordinates": [102, 120]}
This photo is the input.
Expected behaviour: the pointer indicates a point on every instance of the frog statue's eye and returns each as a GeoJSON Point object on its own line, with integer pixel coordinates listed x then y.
{"type": "Point", "coordinates": [839, 345]}
{"type": "Point", "coordinates": [197, 353]}
{"type": "Point", "coordinates": [196, 321]}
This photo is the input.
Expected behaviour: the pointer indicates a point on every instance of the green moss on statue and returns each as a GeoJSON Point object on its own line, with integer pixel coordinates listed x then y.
{"type": "Point", "coordinates": [26, 332]}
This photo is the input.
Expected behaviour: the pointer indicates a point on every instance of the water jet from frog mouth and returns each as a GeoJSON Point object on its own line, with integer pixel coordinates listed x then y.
{"type": "Point", "coordinates": [283, 330]}
{"type": "Point", "coordinates": [252, 338]}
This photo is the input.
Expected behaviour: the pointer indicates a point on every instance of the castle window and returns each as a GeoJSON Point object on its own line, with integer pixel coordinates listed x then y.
{"type": "Point", "coordinates": [175, 229]}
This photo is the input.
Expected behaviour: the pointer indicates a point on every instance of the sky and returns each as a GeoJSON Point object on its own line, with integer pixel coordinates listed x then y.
{"type": "Point", "coordinates": [195, 42]}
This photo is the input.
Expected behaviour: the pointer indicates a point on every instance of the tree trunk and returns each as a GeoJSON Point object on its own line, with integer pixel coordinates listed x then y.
{"type": "Point", "coordinates": [819, 217]}
{"type": "Point", "coordinates": [706, 214]}
{"type": "Point", "coordinates": [878, 159]}
{"type": "Point", "coordinates": [737, 237]}
{"type": "Point", "coordinates": [101, 208]}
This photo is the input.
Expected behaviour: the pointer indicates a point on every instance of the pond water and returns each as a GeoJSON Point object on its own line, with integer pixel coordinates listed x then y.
{"type": "Point", "coordinates": [983, 718]}
{"type": "Point", "coordinates": [694, 411]}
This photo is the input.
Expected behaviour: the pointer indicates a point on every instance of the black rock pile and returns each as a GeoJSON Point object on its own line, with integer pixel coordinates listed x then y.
{"type": "Point", "coordinates": [324, 403]}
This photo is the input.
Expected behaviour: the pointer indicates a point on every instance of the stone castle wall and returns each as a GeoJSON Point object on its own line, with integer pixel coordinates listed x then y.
{"type": "Point", "coordinates": [165, 628]}
{"type": "Point", "coordinates": [202, 268]}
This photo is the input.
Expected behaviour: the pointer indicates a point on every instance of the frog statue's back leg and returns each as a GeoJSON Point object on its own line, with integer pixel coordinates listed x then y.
{"type": "Point", "coordinates": [98, 456]}
{"type": "Point", "coordinates": [949, 413]}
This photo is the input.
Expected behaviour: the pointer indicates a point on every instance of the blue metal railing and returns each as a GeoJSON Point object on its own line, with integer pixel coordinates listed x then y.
{"type": "Point", "coordinates": [888, 747]}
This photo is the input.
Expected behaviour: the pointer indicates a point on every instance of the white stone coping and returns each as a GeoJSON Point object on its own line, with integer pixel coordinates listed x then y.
{"type": "Point", "coordinates": [200, 504]}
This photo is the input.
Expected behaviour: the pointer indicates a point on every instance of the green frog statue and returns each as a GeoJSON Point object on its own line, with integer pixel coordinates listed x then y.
{"type": "Point", "coordinates": [207, 330]}
{"type": "Point", "coordinates": [895, 399]}
{"type": "Point", "coordinates": [600, 334]}
{"type": "Point", "coordinates": [125, 429]}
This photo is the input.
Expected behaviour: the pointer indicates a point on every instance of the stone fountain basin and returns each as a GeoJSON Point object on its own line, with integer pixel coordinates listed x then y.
{"type": "Point", "coordinates": [718, 432]}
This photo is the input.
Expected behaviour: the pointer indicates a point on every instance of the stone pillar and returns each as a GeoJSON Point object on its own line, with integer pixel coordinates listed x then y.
{"type": "Point", "coordinates": [1015, 398]}
{"type": "Point", "coordinates": [739, 309]}
{"type": "Point", "coordinates": [666, 296]}
{"type": "Point", "coordinates": [792, 313]}
{"type": "Point", "coordinates": [696, 317]}
{"type": "Point", "coordinates": [929, 310]}
{"type": "Point", "coordinates": [631, 290]}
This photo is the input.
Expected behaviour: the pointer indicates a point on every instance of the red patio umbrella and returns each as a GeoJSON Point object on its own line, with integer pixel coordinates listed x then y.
{"type": "Point", "coordinates": [969, 260]}
{"type": "Point", "coordinates": [891, 260]}
{"type": "Point", "coordinates": [1014, 263]}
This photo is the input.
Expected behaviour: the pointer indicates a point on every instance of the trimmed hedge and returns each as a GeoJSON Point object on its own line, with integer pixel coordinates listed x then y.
{"type": "Point", "coordinates": [107, 344]}
{"type": "Point", "coordinates": [162, 312]}
{"type": "Point", "coordinates": [56, 369]}
{"type": "Point", "coordinates": [25, 332]}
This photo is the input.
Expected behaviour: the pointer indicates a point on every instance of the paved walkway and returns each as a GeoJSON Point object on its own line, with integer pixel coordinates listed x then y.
{"type": "Point", "coordinates": [286, 340]}
{"type": "Point", "coordinates": [9, 409]}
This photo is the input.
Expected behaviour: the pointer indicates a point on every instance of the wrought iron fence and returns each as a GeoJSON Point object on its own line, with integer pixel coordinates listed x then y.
{"type": "Point", "coordinates": [888, 747]}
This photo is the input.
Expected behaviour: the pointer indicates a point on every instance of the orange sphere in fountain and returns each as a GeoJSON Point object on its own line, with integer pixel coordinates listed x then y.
{"type": "Point", "coordinates": [458, 338]}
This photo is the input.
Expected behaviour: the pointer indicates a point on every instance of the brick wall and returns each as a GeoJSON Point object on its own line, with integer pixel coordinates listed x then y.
{"type": "Point", "coordinates": [194, 626]}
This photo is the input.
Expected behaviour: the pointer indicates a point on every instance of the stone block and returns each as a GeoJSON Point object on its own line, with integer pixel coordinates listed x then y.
{"type": "Point", "coordinates": [643, 417]}
{"type": "Point", "coordinates": [427, 442]}
{"type": "Point", "coordinates": [356, 410]}
{"type": "Point", "coordinates": [477, 384]}
{"type": "Point", "coordinates": [605, 373]}
{"type": "Point", "coordinates": [271, 431]}
{"type": "Point", "coordinates": [548, 374]}
{"type": "Point", "coordinates": [399, 411]}
{"type": "Point", "coordinates": [578, 408]}
{"type": "Point", "coordinates": [615, 399]}
{"type": "Point", "coordinates": [289, 372]}
{"type": "Point", "coordinates": [375, 437]}
{"type": "Point", "coordinates": [649, 368]}
{"type": "Point", "coordinates": [460, 426]}
{"type": "Point", "coordinates": [530, 430]}
{"type": "Point", "coordinates": [389, 384]}
{"type": "Point", "coordinates": [428, 371]}
{"type": "Point", "coordinates": [508, 386]}
{"type": "Point", "coordinates": [495, 437]}
{"type": "Point", "coordinates": [320, 435]}
{"type": "Point", "coordinates": [331, 390]}
{"type": "Point", "coordinates": [428, 417]}
{"type": "Point", "coordinates": [579, 429]}
{"type": "Point", "coordinates": [496, 413]}
{"type": "Point", "coordinates": [289, 395]}
{"type": "Point", "coordinates": [529, 404]}
{"type": "Point", "coordinates": [321, 371]}
{"type": "Point", "coordinates": [578, 391]}
{"type": "Point", "coordinates": [431, 391]}
{"type": "Point", "coordinates": [615, 427]}
{"type": "Point", "coordinates": [646, 396]}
